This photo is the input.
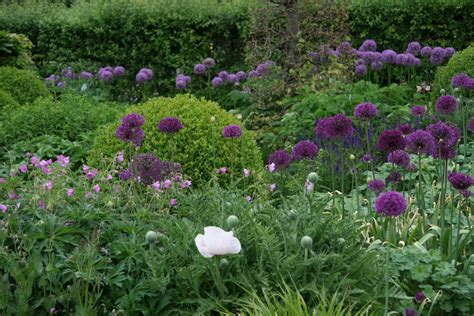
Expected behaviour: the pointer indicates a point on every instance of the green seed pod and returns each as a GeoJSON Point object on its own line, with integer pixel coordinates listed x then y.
{"type": "Point", "coordinates": [151, 237]}
{"type": "Point", "coordinates": [224, 264]}
{"type": "Point", "coordinates": [352, 157]}
{"type": "Point", "coordinates": [232, 221]}
{"type": "Point", "coordinates": [313, 177]}
{"type": "Point", "coordinates": [306, 242]}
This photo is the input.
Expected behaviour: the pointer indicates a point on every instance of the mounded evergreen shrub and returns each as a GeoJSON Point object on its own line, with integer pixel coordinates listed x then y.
{"type": "Point", "coordinates": [23, 85]}
{"type": "Point", "coordinates": [6, 100]}
{"type": "Point", "coordinates": [199, 147]}
{"type": "Point", "coordinates": [462, 61]}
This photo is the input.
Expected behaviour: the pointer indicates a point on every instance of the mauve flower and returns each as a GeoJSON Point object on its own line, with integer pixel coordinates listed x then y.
{"type": "Point", "coordinates": [34, 160]}
{"type": "Point", "coordinates": [119, 71]}
{"type": "Point", "coordinates": [253, 74]}
{"type": "Point", "coordinates": [133, 120]}
{"type": "Point", "coordinates": [217, 242]}
{"type": "Point", "coordinates": [70, 192]}
{"type": "Point", "coordinates": [420, 297]}
{"type": "Point", "coordinates": [272, 187]}
{"type": "Point", "coordinates": [231, 131]}
{"type": "Point", "coordinates": [426, 51]}
{"type": "Point", "coordinates": [320, 128]}
{"type": "Point", "coordinates": [223, 75]}
{"type": "Point", "coordinates": [173, 202]}
{"type": "Point", "coordinates": [199, 69]}
{"type": "Point", "coordinates": [129, 134]}
{"type": "Point", "coordinates": [246, 173]}
{"type": "Point", "coordinates": [449, 51]}
{"type": "Point", "coordinates": [281, 159]}
{"type": "Point", "coordinates": [41, 204]}
{"type": "Point", "coordinates": [411, 312]}
{"type": "Point", "coordinates": [376, 65]}
{"type": "Point", "coordinates": [23, 168]}
{"type": "Point", "coordinates": [13, 195]}
{"type": "Point", "coordinates": [446, 104]}
{"type": "Point", "coordinates": [414, 48]}
{"type": "Point", "coordinates": [241, 75]}
{"type": "Point", "coordinates": [49, 185]}
{"type": "Point", "coordinates": [109, 177]}
{"type": "Point", "coordinates": [120, 157]}
{"type": "Point", "coordinates": [390, 140]}
{"type": "Point", "coordinates": [232, 78]}
{"type": "Point", "coordinates": [3, 208]}
{"type": "Point", "coordinates": [393, 177]}
{"type": "Point", "coordinates": [376, 185]}
{"type": "Point", "coordinates": [366, 158]}
{"type": "Point", "coordinates": [180, 84]}
{"type": "Point", "coordinates": [305, 149]}
{"type": "Point", "coordinates": [457, 81]}
{"type": "Point", "coordinates": [389, 56]}
{"type": "Point", "coordinates": [368, 46]}
{"type": "Point", "coordinates": [3, 180]}
{"type": "Point", "coordinates": [96, 188]}
{"type": "Point", "coordinates": [141, 77]}
{"type": "Point", "coordinates": [209, 62]}
{"type": "Point", "coordinates": [86, 75]}
{"type": "Point", "coordinates": [420, 142]}
{"type": "Point", "coordinates": [105, 74]}
{"type": "Point", "coordinates": [146, 168]}
{"type": "Point", "coordinates": [271, 167]}
{"type": "Point", "coordinates": [68, 72]}
{"type": "Point", "coordinates": [91, 174]}
{"type": "Point", "coordinates": [339, 126]}
{"type": "Point", "coordinates": [399, 157]}
{"type": "Point", "coordinates": [125, 175]}
{"type": "Point", "coordinates": [418, 110]}
{"type": "Point", "coordinates": [170, 125]}
{"type": "Point", "coordinates": [468, 84]}
{"type": "Point", "coordinates": [167, 184]}
{"type": "Point", "coordinates": [360, 70]}
{"type": "Point", "coordinates": [185, 184]}
{"type": "Point", "coordinates": [61, 84]}
{"type": "Point", "coordinates": [460, 181]}
{"type": "Point", "coordinates": [217, 82]}
{"type": "Point", "coordinates": [156, 186]}
{"type": "Point", "coordinates": [390, 203]}
{"type": "Point", "coordinates": [405, 129]}
{"type": "Point", "coordinates": [62, 160]}
{"type": "Point", "coordinates": [222, 170]}
{"type": "Point", "coordinates": [365, 111]}
{"type": "Point", "coordinates": [442, 133]}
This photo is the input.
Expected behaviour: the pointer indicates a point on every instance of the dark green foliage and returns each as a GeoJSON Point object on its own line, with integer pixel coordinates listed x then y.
{"type": "Point", "coordinates": [162, 35]}
{"type": "Point", "coordinates": [23, 85]}
{"type": "Point", "coordinates": [6, 100]}
{"type": "Point", "coordinates": [393, 24]}
{"type": "Point", "coordinates": [15, 50]}
{"type": "Point", "coordinates": [193, 147]}
{"type": "Point", "coordinates": [462, 61]}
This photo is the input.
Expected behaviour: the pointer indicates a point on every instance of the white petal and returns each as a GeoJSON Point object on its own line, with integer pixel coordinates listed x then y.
{"type": "Point", "coordinates": [201, 246]}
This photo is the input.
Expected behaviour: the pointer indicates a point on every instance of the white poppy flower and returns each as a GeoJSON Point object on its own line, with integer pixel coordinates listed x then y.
{"type": "Point", "coordinates": [217, 242]}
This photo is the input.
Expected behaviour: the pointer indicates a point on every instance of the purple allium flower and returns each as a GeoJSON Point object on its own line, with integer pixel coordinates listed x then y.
{"type": "Point", "coordinates": [209, 62]}
{"type": "Point", "coordinates": [413, 48]}
{"type": "Point", "coordinates": [305, 149]}
{"type": "Point", "coordinates": [314, 55]}
{"type": "Point", "coordinates": [232, 78]}
{"type": "Point", "coordinates": [180, 84]}
{"type": "Point", "coordinates": [365, 111]}
{"type": "Point", "coordinates": [217, 82]}
{"type": "Point", "coordinates": [339, 126]}
{"type": "Point", "coordinates": [119, 71]}
{"type": "Point", "coordinates": [223, 75]}
{"type": "Point", "coordinates": [418, 110]}
{"type": "Point", "coordinates": [241, 75]}
{"type": "Point", "coordinates": [449, 51]}
{"type": "Point", "coordinates": [411, 312]}
{"type": "Point", "coordinates": [61, 84]}
{"type": "Point", "coordinates": [366, 158]}
{"type": "Point", "coordinates": [86, 75]}
{"type": "Point", "coordinates": [281, 159]}
{"type": "Point", "coordinates": [399, 157]}
{"type": "Point", "coordinates": [405, 129]}
{"type": "Point", "coordinates": [253, 74]}
{"type": "Point", "coordinates": [130, 134]}
{"type": "Point", "coordinates": [170, 125]}
{"type": "Point", "coordinates": [144, 75]}
{"type": "Point", "coordinates": [389, 56]}
{"type": "Point", "coordinates": [468, 84]}
{"type": "Point", "coordinates": [133, 120]}
{"type": "Point", "coordinates": [199, 69]}
{"type": "Point", "coordinates": [390, 203]}
{"type": "Point", "coordinates": [368, 46]}
{"type": "Point", "coordinates": [376, 65]}
{"type": "Point", "coordinates": [390, 140]}
{"type": "Point", "coordinates": [393, 177]}
{"type": "Point", "coordinates": [420, 297]}
{"type": "Point", "coordinates": [321, 127]}
{"type": "Point", "coordinates": [263, 68]}
{"type": "Point", "coordinates": [442, 133]}
{"type": "Point", "coordinates": [376, 185]}
{"type": "Point", "coordinates": [359, 62]}
{"type": "Point", "coordinates": [345, 48]}
{"type": "Point", "coordinates": [420, 142]}
{"type": "Point", "coordinates": [425, 51]}
{"type": "Point", "coordinates": [360, 70]}
{"type": "Point", "coordinates": [457, 81]}
{"type": "Point", "coordinates": [146, 168]}
{"type": "Point", "coordinates": [436, 60]}
{"type": "Point", "coordinates": [232, 131]}
{"type": "Point", "coordinates": [125, 175]}
{"type": "Point", "coordinates": [68, 72]}
{"type": "Point", "coordinates": [105, 74]}
{"type": "Point", "coordinates": [465, 193]}
{"type": "Point", "coordinates": [470, 125]}
{"type": "Point", "coordinates": [460, 181]}
{"type": "Point", "coordinates": [52, 80]}
{"type": "Point", "coordinates": [446, 104]}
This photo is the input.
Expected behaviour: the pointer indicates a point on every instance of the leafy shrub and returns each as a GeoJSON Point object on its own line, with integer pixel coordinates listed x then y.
{"type": "Point", "coordinates": [393, 24]}
{"type": "Point", "coordinates": [15, 50]}
{"type": "Point", "coordinates": [68, 118]}
{"type": "Point", "coordinates": [6, 100]}
{"type": "Point", "coordinates": [193, 147]}
{"type": "Point", "coordinates": [462, 61]}
{"type": "Point", "coordinates": [23, 85]}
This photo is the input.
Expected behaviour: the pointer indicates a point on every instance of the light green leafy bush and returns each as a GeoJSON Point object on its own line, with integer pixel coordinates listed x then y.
{"type": "Point", "coordinates": [23, 85]}
{"type": "Point", "coordinates": [6, 100]}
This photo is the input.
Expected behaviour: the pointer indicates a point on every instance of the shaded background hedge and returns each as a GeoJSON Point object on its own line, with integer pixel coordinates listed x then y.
{"type": "Point", "coordinates": [393, 24]}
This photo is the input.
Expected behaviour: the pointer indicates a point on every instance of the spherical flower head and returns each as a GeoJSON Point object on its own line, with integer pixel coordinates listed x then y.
{"type": "Point", "coordinates": [146, 168]}
{"type": "Point", "coordinates": [436, 60]}
{"type": "Point", "coordinates": [180, 84]}
{"type": "Point", "coordinates": [390, 140]}
{"type": "Point", "coordinates": [241, 75]}
{"type": "Point", "coordinates": [368, 46]}
{"type": "Point", "coordinates": [411, 312]}
{"type": "Point", "coordinates": [446, 104]}
{"type": "Point", "coordinates": [366, 158]}
{"type": "Point", "coordinates": [151, 237]}
{"type": "Point", "coordinates": [141, 77]}
{"type": "Point", "coordinates": [61, 84]}
{"type": "Point", "coordinates": [253, 74]}
{"type": "Point", "coordinates": [199, 69]}
{"type": "Point", "coordinates": [419, 297]}
{"type": "Point", "coordinates": [420, 142]}
{"type": "Point", "coordinates": [129, 134]}
{"type": "Point", "coordinates": [232, 78]}
{"type": "Point", "coordinates": [442, 133]}
{"type": "Point", "coordinates": [105, 75]}
{"type": "Point", "coordinates": [217, 82]}
{"type": "Point", "coordinates": [405, 129]}
{"type": "Point", "coordinates": [438, 51]}
{"type": "Point", "coordinates": [232, 131]}
{"type": "Point", "coordinates": [339, 126]}
{"type": "Point", "coordinates": [119, 71]}
{"type": "Point", "coordinates": [133, 120]}
{"type": "Point", "coordinates": [320, 128]}
{"type": "Point", "coordinates": [360, 70]}
{"type": "Point", "coordinates": [399, 157]}
{"type": "Point", "coordinates": [305, 149]}
{"type": "Point", "coordinates": [376, 185]}
{"type": "Point", "coordinates": [468, 84]}
{"type": "Point", "coordinates": [449, 52]}
{"type": "Point", "coordinates": [413, 48]}
{"type": "Point", "coordinates": [170, 125]}
{"type": "Point", "coordinates": [148, 72]}
{"type": "Point", "coordinates": [223, 75]}
{"type": "Point", "coordinates": [389, 56]}
{"type": "Point", "coordinates": [418, 110]}
{"type": "Point", "coordinates": [390, 203]}
{"type": "Point", "coordinates": [376, 65]}
{"type": "Point", "coordinates": [345, 48]}
{"type": "Point", "coordinates": [470, 125]}
{"type": "Point", "coordinates": [460, 181]}
{"type": "Point", "coordinates": [457, 81]}
{"type": "Point", "coordinates": [306, 242]}
{"type": "Point", "coordinates": [425, 51]}
{"type": "Point", "coordinates": [209, 62]}
{"type": "Point", "coordinates": [85, 75]}
{"type": "Point", "coordinates": [281, 159]}
{"type": "Point", "coordinates": [365, 111]}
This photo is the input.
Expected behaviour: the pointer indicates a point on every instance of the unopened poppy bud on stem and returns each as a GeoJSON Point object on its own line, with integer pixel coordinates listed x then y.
{"type": "Point", "coordinates": [224, 264]}
{"type": "Point", "coordinates": [151, 237]}
{"type": "Point", "coordinates": [313, 177]}
{"type": "Point", "coordinates": [232, 221]}
{"type": "Point", "coordinates": [306, 242]}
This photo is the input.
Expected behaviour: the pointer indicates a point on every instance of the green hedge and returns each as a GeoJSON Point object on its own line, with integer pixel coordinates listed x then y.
{"type": "Point", "coordinates": [462, 61]}
{"type": "Point", "coordinates": [393, 24]}
{"type": "Point", "coordinates": [163, 35]}
{"type": "Point", "coordinates": [23, 85]}
{"type": "Point", "coordinates": [6, 100]}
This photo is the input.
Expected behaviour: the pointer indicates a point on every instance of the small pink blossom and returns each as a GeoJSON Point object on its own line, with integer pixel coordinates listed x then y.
{"type": "Point", "coordinates": [62, 160]}
{"type": "Point", "coordinates": [46, 170]}
{"type": "Point", "coordinates": [271, 167]}
{"type": "Point", "coordinates": [12, 195]}
{"type": "Point", "coordinates": [156, 186]}
{"type": "Point", "coordinates": [109, 177]}
{"type": "Point", "coordinates": [3, 180]}
{"type": "Point", "coordinates": [70, 192]}
{"type": "Point", "coordinates": [246, 173]}
{"type": "Point", "coordinates": [309, 186]}
{"type": "Point", "coordinates": [177, 179]}
{"type": "Point", "coordinates": [49, 185]}
{"type": "Point", "coordinates": [97, 188]}
{"type": "Point", "coordinates": [86, 169]}
{"type": "Point", "coordinates": [167, 184]}
{"type": "Point", "coordinates": [41, 204]}
{"type": "Point", "coordinates": [23, 168]}
{"type": "Point", "coordinates": [3, 208]}
{"type": "Point", "coordinates": [120, 158]}
{"type": "Point", "coordinates": [49, 161]}
{"type": "Point", "coordinates": [173, 202]}
{"type": "Point", "coordinates": [186, 184]}
{"type": "Point", "coordinates": [223, 170]}
{"type": "Point", "coordinates": [91, 174]}
{"type": "Point", "coordinates": [34, 160]}
{"type": "Point", "coordinates": [272, 187]}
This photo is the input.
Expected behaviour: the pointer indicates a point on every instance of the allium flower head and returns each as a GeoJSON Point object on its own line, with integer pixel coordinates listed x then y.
{"type": "Point", "coordinates": [143, 75]}
{"type": "Point", "coordinates": [209, 62]}
{"type": "Point", "coordinates": [468, 84]}
{"type": "Point", "coordinates": [232, 78]}
{"type": "Point", "coordinates": [390, 140]}
{"type": "Point", "coordinates": [446, 104]}
{"type": "Point", "coordinates": [418, 110]}
{"type": "Point", "coordinates": [241, 75]}
{"type": "Point", "coordinates": [420, 297]}
{"type": "Point", "coordinates": [305, 149]}
{"type": "Point", "coordinates": [180, 84]}
{"type": "Point", "coordinates": [339, 126]}
{"type": "Point", "coordinates": [376, 185]}
{"type": "Point", "coordinates": [85, 75]}
{"type": "Point", "coordinates": [405, 129]}
{"type": "Point", "coordinates": [232, 131]}
{"type": "Point", "coordinates": [223, 75]}
{"type": "Point", "coordinates": [217, 82]}
{"type": "Point", "coordinates": [411, 312]}
{"type": "Point", "coordinates": [133, 120]}
{"type": "Point", "coordinates": [146, 167]}
{"type": "Point", "coordinates": [170, 125]}
{"type": "Point", "coordinates": [399, 157]}
{"type": "Point", "coordinates": [368, 46]}
{"type": "Point", "coordinates": [389, 56]}
{"type": "Point", "coordinates": [457, 81]}
{"type": "Point", "coordinates": [129, 134]}
{"type": "Point", "coordinates": [390, 203]}
{"type": "Point", "coordinates": [425, 51]}
{"type": "Point", "coordinates": [361, 70]}
{"type": "Point", "coordinates": [414, 48]}
{"type": "Point", "coordinates": [199, 69]}
{"type": "Point", "coordinates": [420, 142]}
{"type": "Point", "coordinates": [442, 133]}
{"type": "Point", "coordinates": [105, 74]}
{"type": "Point", "coordinates": [365, 111]}
{"type": "Point", "coordinates": [376, 65]}
{"type": "Point", "coordinates": [449, 51]}
{"type": "Point", "coordinates": [460, 181]}
{"type": "Point", "coordinates": [281, 159]}
{"type": "Point", "coordinates": [119, 71]}
{"type": "Point", "coordinates": [320, 128]}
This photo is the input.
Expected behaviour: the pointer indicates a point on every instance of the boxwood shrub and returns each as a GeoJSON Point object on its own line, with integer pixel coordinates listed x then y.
{"type": "Point", "coordinates": [23, 85]}
{"type": "Point", "coordinates": [6, 100]}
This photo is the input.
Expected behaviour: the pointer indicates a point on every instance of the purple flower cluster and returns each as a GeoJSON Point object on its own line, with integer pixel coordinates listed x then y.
{"type": "Point", "coordinates": [170, 125]}
{"type": "Point", "coordinates": [420, 142]}
{"type": "Point", "coordinates": [390, 203]}
{"type": "Point", "coordinates": [130, 130]}
{"type": "Point", "coordinates": [461, 182]}
{"type": "Point", "coordinates": [305, 149]}
{"type": "Point", "coordinates": [399, 157]}
{"type": "Point", "coordinates": [338, 126]}
{"type": "Point", "coordinates": [462, 80]}
{"type": "Point", "coordinates": [376, 185]}
{"type": "Point", "coordinates": [390, 140]}
{"type": "Point", "coordinates": [144, 75]}
{"type": "Point", "coordinates": [365, 111]}
{"type": "Point", "coordinates": [281, 159]}
{"type": "Point", "coordinates": [418, 110]}
{"type": "Point", "coordinates": [146, 168]}
{"type": "Point", "coordinates": [232, 131]}
{"type": "Point", "coordinates": [446, 104]}
{"type": "Point", "coordinates": [182, 81]}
